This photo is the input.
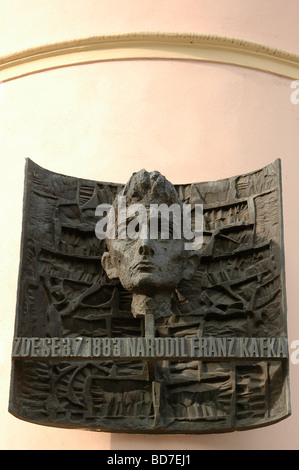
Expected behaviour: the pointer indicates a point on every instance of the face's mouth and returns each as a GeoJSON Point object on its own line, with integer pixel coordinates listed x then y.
{"type": "Point", "coordinates": [144, 266]}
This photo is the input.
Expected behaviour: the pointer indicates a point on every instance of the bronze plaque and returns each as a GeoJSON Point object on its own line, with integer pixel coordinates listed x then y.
{"type": "Point", "coordinates": [141, 335]}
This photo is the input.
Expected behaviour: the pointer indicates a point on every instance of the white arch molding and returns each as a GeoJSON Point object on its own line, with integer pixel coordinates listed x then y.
{"type": "Point", "coordinates": [150, 45]}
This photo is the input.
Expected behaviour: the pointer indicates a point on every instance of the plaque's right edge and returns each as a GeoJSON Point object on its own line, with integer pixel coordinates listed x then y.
{"type": "Point", "coordinates": [283, 277]}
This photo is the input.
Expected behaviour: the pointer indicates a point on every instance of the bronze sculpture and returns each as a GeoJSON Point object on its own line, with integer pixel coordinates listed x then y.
{"type": "Point", "coordinates": [142, 335]}
{"type": "Point", "coordinates": [149, 268]}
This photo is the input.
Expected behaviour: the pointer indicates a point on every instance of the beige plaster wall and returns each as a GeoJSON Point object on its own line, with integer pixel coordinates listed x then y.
{"type": "Point", "coordinates": [27, 23]}
{"type": "Point", "coordinates": [192, 121]}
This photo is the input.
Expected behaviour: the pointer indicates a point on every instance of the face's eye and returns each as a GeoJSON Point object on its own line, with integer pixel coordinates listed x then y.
{"type": "Point", "coordinates": [136, 228]}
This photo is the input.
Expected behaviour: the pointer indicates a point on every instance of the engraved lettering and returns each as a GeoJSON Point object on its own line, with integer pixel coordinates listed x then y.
{"type": "Point", "coordinates": [35, 344]}
{"type": "Point", "coordinates": [270, 345]}
{"type": "Point", "coordinates": [56, 347]}
{"type": "Point", "coordinates": [169, 347]}
{"type": "Point", "coordinates": [213, 348]}
{"type": "Point", "coordinates": [263, 347]}
{"type": "Point", "coordinates": [45, 347]}
{"type": "Point", "coordinates": [77, 345]}
{"type": "Point", "coordinates": [88, 343]}
{"type": "Point", "coordinates": [231, 347]}
{"type": "Point", "coordinates": [183, 348]}
{"type": "Point", "coordinates": [244, 347]}
{"type": "Point", "coordinates": [106, 347]}
{"type": "Point", "coordinates": [254, 349]}
{"type": "Point", "coordinates": [177, 347]}
{"type": "Point", "coordinates": [25, 347]}
{"type": "Point", "coordinates": [116, 347]}
{"type": "Point", "coordinates": [131, 346]}
{"type": "Point", "coordinates": [221, 342]}
{"type": "Point", "coordinates": [140, 350]}
{"type": "Point", "coordinates": [281, 348]}
{"type": "Point", "coordinates": [96, 347]}
{"type": "Point", "coordinates": [16, 346]}
{"type": "Point", "coordinates": [203, 347]}
{"type": "Point", "coordinates": [159, 343]}
{"type": "Point", "coordinates": [194, 347]}
{"type": "Point", "coordinates": [65, 347]}
{"type": "Point", "coordinates": [150, 347]}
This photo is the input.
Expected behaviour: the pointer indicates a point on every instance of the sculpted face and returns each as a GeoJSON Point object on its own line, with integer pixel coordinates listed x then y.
{"type": "Point", "coordinates": [145, 265]}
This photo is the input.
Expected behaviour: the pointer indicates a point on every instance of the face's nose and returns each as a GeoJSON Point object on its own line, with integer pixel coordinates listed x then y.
{"type": "Point", "coordinates": [145, 248]}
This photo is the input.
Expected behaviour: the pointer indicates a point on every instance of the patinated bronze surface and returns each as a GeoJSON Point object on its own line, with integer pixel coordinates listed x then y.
{"type": "Point", "coordinates": [141, 335]}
